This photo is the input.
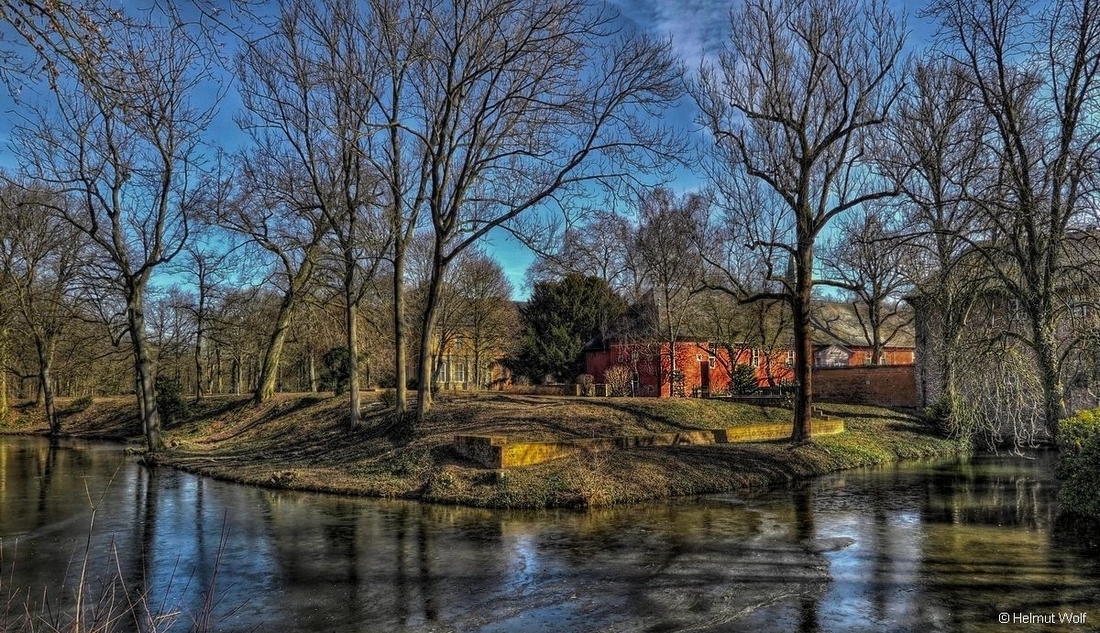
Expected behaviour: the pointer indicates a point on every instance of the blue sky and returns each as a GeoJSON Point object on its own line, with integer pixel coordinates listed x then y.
{"type": "Point", "coordinates": [698, 29]}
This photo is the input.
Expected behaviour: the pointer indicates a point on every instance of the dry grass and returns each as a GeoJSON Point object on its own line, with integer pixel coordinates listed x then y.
{"type": "Point", "coordinates": [302, 442]}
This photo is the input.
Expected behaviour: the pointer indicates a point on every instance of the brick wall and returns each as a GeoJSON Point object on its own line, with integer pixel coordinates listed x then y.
{"type": "Point", "coordinates": [884, 385]}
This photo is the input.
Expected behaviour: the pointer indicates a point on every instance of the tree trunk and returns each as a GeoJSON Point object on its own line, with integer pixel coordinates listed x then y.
{"type": "Point", "coordinates": [425, 368]}
{"type": "Point", "coordinates": [4, 404]}
{"type": "Point", "coordinates": [146, 375]}
{"type": "Point", "coordinates": [877, 346]}
{"type": "Point", "coordinates": [427, 333]}
{"type": "Point", "coordinates": [1046, 358]}
{"type": "Point", "coordinates": [269, 369]}
{"type": "Point", "coordinates": [311, 361]}
{"type": "Point", "coordinates": [803, 346]}
{"type": "Point", "coordinates": [237, 372]}
{"type": "Point", "coordinates": [353, 351]}
{"type": "Point", "coordinates": [198, 362]}
{"type": "Point", "coordinates": [400, 362]}
{"type": "Point", "coordinates": [45, 378]}
{"type": "Point", "coordinates": [479, 377]}
{"type": "Point", "coordinates": [217, 377]}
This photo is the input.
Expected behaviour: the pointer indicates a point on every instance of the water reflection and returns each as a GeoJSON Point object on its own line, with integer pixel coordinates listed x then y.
{"type": "Point", "coordinates": [936, 547]}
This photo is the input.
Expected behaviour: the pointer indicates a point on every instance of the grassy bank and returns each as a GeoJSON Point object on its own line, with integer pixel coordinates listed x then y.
{"type": "Point", "coordinates": [301, 442]}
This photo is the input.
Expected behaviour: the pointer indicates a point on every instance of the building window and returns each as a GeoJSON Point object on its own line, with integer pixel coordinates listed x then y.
{"type": "Point", "coordinates": [754, 361]}
{"type": "Point", "coordinates": [790, 358]}
{"type": "Point", "coordinates": [460, 372]}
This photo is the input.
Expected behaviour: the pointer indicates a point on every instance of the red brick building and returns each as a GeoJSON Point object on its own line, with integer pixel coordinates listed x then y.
{"type": "Point", "coordinates": [843, 336]}
{"type": "Point", "coordinates": [704, 367]}
{"type": "Point", "coordinates": [701, 366]}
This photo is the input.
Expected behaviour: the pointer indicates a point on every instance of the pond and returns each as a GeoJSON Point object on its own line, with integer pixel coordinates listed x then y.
{"type": "Point", "coordinates": [939, 546]}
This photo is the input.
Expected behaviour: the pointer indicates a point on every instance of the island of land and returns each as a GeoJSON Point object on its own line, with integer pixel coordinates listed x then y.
{"type": "Point", "coordinates": [302, 442]}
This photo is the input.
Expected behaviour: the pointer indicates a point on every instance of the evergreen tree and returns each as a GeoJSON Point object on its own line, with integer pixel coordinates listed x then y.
{"type": "Point", "coordinates": [559, 319]}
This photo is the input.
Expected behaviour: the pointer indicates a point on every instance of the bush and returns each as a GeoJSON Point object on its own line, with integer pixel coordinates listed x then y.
{"type": "Point", "coordinates": [618, 378]}
{"type": "Point", "coordinates": [388, 398]}
{"type": "Point", "coordinates": [586, 382]}
{"type": "Point", "coordinates": [170, 401]}
{"type": "Point", "coordinates": [337, 369]}
{"type": "Point", "coordinates": [743, 380]}
{"type": "Point", "coordinates": [79, 405]}
{"type": "Point", "coordinates": [939, 415]}
{"type": "Point", "coordinates": [1079, 444]}
{"type": "Point", "coordinates": [387, 379]}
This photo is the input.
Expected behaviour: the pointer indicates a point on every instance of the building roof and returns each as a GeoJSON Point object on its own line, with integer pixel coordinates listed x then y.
{"type": "Point", "coordinates": [840, 323]}
{"type": "Point", "coordinates": [834, 322]}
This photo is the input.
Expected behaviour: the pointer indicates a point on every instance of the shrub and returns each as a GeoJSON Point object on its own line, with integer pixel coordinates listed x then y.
{"type": "Point", "coordinates": [939, 415]}
{"type": "Point", "coordinates": [586, 382]}
{"type": "Point", "coordinates": [743, 380]}
{"type": "Point", "coordinates": [1079, 444]}
{"type": "Point", "coordinates": [170, 401]}
{"type": "Point", "coordinates": [618, 378]}
{"type": "Point", "coordinates": [388, 398]}
{"type": "Point", "coordinates": [79, 405]}
{"type": "Point", "coordinates": [387, 379]}
{"type": "Point", "coordinates": [337, 369]}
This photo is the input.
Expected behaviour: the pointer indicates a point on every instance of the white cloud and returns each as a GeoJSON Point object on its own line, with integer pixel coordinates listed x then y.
{"type": "Point", "coordinates": [699, 28]}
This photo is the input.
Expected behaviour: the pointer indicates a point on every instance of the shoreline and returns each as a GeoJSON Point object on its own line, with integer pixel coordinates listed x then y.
{"type": "Point", "coordinates": [299, 443]}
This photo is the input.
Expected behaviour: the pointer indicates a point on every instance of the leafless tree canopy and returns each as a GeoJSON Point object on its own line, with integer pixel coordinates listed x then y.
{"type": "Point", "coordinates": [386, 141]}
{"type": "Point", "coordinates": [1033, 73]}
{"type": "Point", "coordinates": [794, 106]}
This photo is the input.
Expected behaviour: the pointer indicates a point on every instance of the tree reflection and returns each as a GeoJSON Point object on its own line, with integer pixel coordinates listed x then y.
{"type": "Point", "coordinates": [802, 498]}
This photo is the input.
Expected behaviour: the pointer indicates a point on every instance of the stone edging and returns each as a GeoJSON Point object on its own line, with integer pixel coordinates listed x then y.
{"type": "Point", "coordinates": [495, 451]}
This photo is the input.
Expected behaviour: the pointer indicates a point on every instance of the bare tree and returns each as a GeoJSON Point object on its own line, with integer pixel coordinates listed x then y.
{"type": "Point", "coordinates": [522, 101]}
{"type": "Point", "coordinates": [599, 245]}
{"type": "Point", "coordinates": [671, 267]}
{"type": "Point", "coordinates": [56, 37]}
{"type": "Point", "coordinates": [937, 155]}
{"type": "Point", "coordinates": [1034, 71]}
{"type": "Point", "coordinates": [793, 104]}
{"type": "Point", "coordinates": [867, 259]}
{"type": "Point", "coordinates": [261, 203]}
{"type": "Point", "coordinates": [210, 268]}
{"type": "Point", "coordinates": [42, 256]}
{"type": "Point", "coordinates": [739, 328]}
{"type": "Point", "coordinates": [492, 321]}
{"type": "Point", "coordinates": [310, 93]}
{"type": "Point", "coordinates": [123, 137]}
{"type": "Point", "coordinates": [477, 323]}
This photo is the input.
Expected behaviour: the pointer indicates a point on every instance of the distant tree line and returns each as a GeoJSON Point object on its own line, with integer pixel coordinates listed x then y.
{"type": "Point", "coordinates": [383, 142]}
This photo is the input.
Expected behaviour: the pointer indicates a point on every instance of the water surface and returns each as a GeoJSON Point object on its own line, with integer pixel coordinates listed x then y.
{"type": "Point", "coordinates": [916, 547]}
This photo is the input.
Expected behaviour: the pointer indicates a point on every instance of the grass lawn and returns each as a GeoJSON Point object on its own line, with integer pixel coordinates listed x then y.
{"type": "Point", "coordinates": [302, 442]}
